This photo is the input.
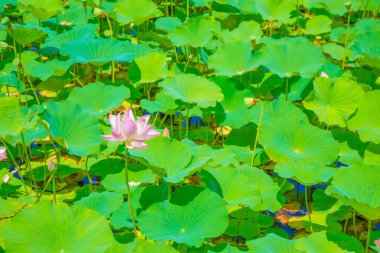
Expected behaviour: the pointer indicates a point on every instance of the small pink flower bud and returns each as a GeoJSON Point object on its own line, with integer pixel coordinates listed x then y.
{"type": "Point", "coordinates": [166, 132]}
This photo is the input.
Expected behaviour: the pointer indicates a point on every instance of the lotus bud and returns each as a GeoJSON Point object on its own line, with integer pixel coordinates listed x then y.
{"type": "Point", "coordinates": [166, 132]}
{"type": "Point", "coordinates": [6, 178]}
{"type": "Point", "coordinates": [324, 75]}
{"type": "Point", "coordinates": [377, 243]}
{"type": "Point", "coordinates": [191, 56]}
{"type": "Point", "coordinates": [97, 12]}
{"type": "Point", "coordinates": [3, 153]}
{"type": "Point", "coordinates": [51, 165]}
{"type": "Point", "coordinates": [131, 25]}
{"type": "Point", "coordinates": [249, 102]}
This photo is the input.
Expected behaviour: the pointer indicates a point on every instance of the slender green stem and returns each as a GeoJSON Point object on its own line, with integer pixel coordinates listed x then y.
{"type": "Point", "coordinates": [54, 187]}
{"type": "Point", "coordinates": [354, 223]}
{"type": "Point", "coordinates": [28, 167]}
{"type": "Point", "coordinates": [187, 121]}
{"type": "Point", "coordinates": [171, 125]}
{"type": "Point", "coordinates": [88, 173]}
{"type": "Point", "coordinates": [187, 9]}
{"type": "Point", "coordinates": [308, 209]}
{"type": "Point", "coordinates": [346, 39]}
{"type": "Point", "coordinates": [129, 194]}
{"type": "Point", "coordinates": [180, 125]}
{"type": "Point", "coordinates": [34, 92]}
{"type": "Point", "coordinates": [286, 88]}
{"type": "Point", "coordinates": [368, 235]}
{"type": "Point", "coordinates": [257, 132]}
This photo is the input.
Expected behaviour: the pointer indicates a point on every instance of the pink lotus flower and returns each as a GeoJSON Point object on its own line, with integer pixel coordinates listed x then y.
{"type": "Point", "coordinates": [166, 133]}
{"type": "Point", "coordinates": [377, 243]}
{"type": "Point", "coordinates": [323, 74]}
{"type": "Point", "coordinates": [3, 154]}
{"type": "Point", "coordinates": [133, 133]}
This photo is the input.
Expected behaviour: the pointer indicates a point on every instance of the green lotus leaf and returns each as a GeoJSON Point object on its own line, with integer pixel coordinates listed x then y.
{"type": "Point", "coordinates": [121, 218]}
{"type": "Point", "coordinates": [169, 154]}
{"type": "Point", "coordinates": [41, 9]}
{"type": "Point", "coordinates": [367, 119]}
{"type": "Point", "coordinates": [44, 71]}
{"type": "Point", "coordinates": [275, 10]}
{"type": "Point", "coordinates": [338, 7]}
{"type": "Point", "coordinates": [288, 56]}
{"type": "Point", "coordinates": [273, 243]}
{"type": "Point", "coordinates": [334, 101]}
{"type": "Point", "coordinates": [80, 32]}
{"type": "Point", "coordinates": [11, 206]}
{"type": "Point", "coordinates": [14, 118]}
{"type": "Point", "coordinates": [104, 203]}
{"type": "Point", "coordinates": [318, 24]}
{"type": "Point", "coordinates": [246, 186]}
{"type": "Point", "coordinates": [26, 34]}
{"type": "Point", "coordinates": [192, 89]}
{"type": "Point", "coordinates": [205, 216]}
{"type": "Point", "coordinates": [338, 52]}
{"type": "Point", "coordinates": [57, 228]}
{"type": "Point", "coordinates": [366, 44]}
{"type": "Point", "coordinates": [98, 98]}
{"type": "Point", "coordinates": [195, 33]}
{"type": "Point", "coordinates": [233, 59]}
{"type": "Point", "coordinates": [167, 23]}
{"type": "Point", "coordinates": [245, 32]}
{"type": "Point", "coordinates": [135, 11]}
{"type": "Point", "coordinates": [141, 246]}
{"type": "Point", "coordinates": [366, 25]}
{"type": "Point", "coordinates": [162, 103]}
{"type": "Point", "coordinates": [11, 80]}
{"type": "Point", "coordinates": [200, 2]}
{"type": "Point", "coordinates": [246, 6]}
{"type": "Point", "coordinates": [79, 129]}
{"type": "Point", "coordinates": [318, 242]}
{"type": "Point", "coordinates": [97, 51]}
{"type": "Point", "coordinates": [306, 174]}
{"type": "Point", "coordinates": [358, 186]}
{"type": "Point", "coordinates": [153, 67]}
{"type": "Point", "coordinates": [285, 141]}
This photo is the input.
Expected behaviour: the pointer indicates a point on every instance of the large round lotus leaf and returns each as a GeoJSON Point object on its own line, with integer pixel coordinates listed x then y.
{"type": "Point", "coordinates": [152, 66]}
{"type": "Point", "coordinates": [80, 32]}
{"type": "Point", "coordinates": [205, 216]}
{"type": "Point", "coordinates": [366, 25]}
{"type": "Point", "coordinates": [318, 242]}
{"type": "Point", "coordinates": [98, 98]}
{"type": "Point", "coordinates": [26, 34]}
{"type": "Point", "coordinates": [245, 186]}
{"type": "Point", "coordinates": [167, 23]}
{"type": "Point", "coordinates": [15, 119]}
{"type": "Point", "coordinates": [367, 119]}
{"type": "Point", "coordinates": [41, 9]}
{"type": "Point", "coordinates": [358, 186]}
{"type": "Point", "coordinates": [11, 80]}
{"type": "Point", "coordinates": [97, 51]}
{"type": "Point", "coordinates": [140, 246]}
{"type": "Point", "coordinates": [334, 102]}
{"type": "Point", "coordinates": [44, 71]}
{"type": "Point", "coordinates": [79, 129]}
{"type": "Point", "coordinates": [192, 89]}
{"type": "Point", "coordinates": [275, 9]}
{"type": "Point", "coordinates": [195, 33]}
{"type": "Point", "coordinates": [242, 5]}
{"type": "Point", "coordinates": [57, 228]}
{"type": "Point", "coordinates": [135, 11]}
{"type": "Point", "coordinates": [367, 44]}
{"type": "Point", "coordinates": [338, 52]}
{"type": "Point", "coordinates": [306, 174]}
{"type": "Point", "coordinates": [273, 243]}
{"type": "Point", "coordinates": [245, 32]}
{"type": "Point", "coordinates": [162, 103]}
{"type": "Point", "coordinates": [169, 154]}
{"type": "Point", "coordinates": [288, 56]}
{"type": "Point", "coordinates": [104, 203]}
{"type": "Point", "coordinates": [286, 141]}
{"type": "Point", "coordinates": [233, 59]}
{"type": "Point", "coordinates": [318, 24]}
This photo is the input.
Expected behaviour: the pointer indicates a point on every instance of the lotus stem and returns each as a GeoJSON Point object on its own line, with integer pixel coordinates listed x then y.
{"type": "Point", "coordinates": [308, 209]}
{"type": "Point", "coordinates": [88, 173]}
{"type": "Point", "coordinates": [354, 223]}
{"type": "Point", "coordinates": [187, 122]}
{"type": "Point", "coordinates": [286, 88]}
{"type": "Point", "coordinates": [346, 39]}
{"type": "Point", "coordinates": [258, 131]}
{"type": "Point", "coordinates": [34, 91]}
{"type": "Point", "coordinates": [187, 9]}
{"type": "Point", "coordinates": [129, 194]}
{"type": "Point", "coordinates": [368, 236]}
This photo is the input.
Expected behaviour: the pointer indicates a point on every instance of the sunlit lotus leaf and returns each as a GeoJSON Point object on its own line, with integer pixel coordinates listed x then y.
{"type": "Point", "coordinates": [192, 89]}
{"type": "Point", "coordinates": [26, 34]}
{"type": "Point", "coordinates": [285, 140]}
{"type": "Point", "coordinates": [41, 9]}
{"type": "Point", "coordinates": [275, 9]}
{"type": "Point", "coordinates": [304, 173]}
{"type": "Point", "coordinates": [358, 186]}
{"type": "Point", "coordinates": [242, 5]}
{"type": "Point", "coordinates": [162, 103]}
{"type": "Point", "coordinates": [44, 71]}
{"type": "Point", "coordinates": [135, 11]}
{"type": "Point", "coordinates": [80, 130]}
{"type": "Point", "coordinates": [245, 186]}
{"type": "Point", "coordinates": [57, 228]}
{"type": "Point", "coordinates": [97, 51]}
{"type": "Point", "coordinates": [339, 7]}
{"type": "Point", "coordinates": [80, 32]}
{"type": "Point", "coordinates": [273, 243]}
{"type": "Point", "coordinates": [334, 101]}
{"type": "Point", "coordinates": [318, 24]}
{"type": "Point", "coordinates": [318, 242]}
{"type": "Point", "coordinates": [367, 45]}
{"type": "Point", "coordinates": [11, 80]}
{"type": "Point", "coordinates": [167, 23]}
{"type": "Point", "coordinates": [366, 25]}
{"type": "Point", "coordinates": [104, 203]}
{"type": "Point", "coordinates": [152, 66]}
{"type": "Point", "coordinates": [195, 33]}
{"type": "Point", "coordinates": [141, 246]}
{"type": "Point", "coordinates": [338, 52]}
{"type": "Point", "coordinates": [234, 58]}
{"type": "Point", "coordinates": [205, 216]}
{"type": "Point", "coordinates": [367, 119]}
{"type": "Point", "coordinates": [98, 98]}
{"type": "Point", "coordinates": [245, 32]}
{"type": "Point", "coordinates": [288, 56]}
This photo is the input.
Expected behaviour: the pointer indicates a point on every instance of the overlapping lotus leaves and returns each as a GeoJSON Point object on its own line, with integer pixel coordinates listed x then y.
{"type": "Point", "coordinates": [272, 243]}
{"type": "Point", "coordinates": [287, 141]}
{"type": "Point", "coordinates": [57, 228]}
{"type": "Point", "coordinates": [162, 103]}
{"type": "Point", "coordinates": [41, 9]}
{"type": "Point", "coordinates": [245, 186]}
{"type": "Point", "coordinates": [245, 32]}
{"type": "Point", "coordinates": [334, 101]}
{"type": "Point", "coordinates": [367, 119]}
{"type": "Point", "coordinates": [135, 11]}
{"type": "Point", "coordinates": [26, 34]}
{"type": "Point", "coordinates": [140, 246]}
{"type": "Point", "coordinates": [358, 186]}
{"type": "Point", "coordinates": [195, 33]}
{"type": "Point", "coordinates": [275, 10]}
{"type": "Point", "coordinates": [192, 89]}
{"type": "Point", "coordinates": [153, 67]}
{"type": "Point", "coordinates": [366, 44]}
{"type": "Point", "coordinates": [366, 25]}
{"type": "Point", "coordinates": [338, 52]}
{"type": "Point", "coordinates": [304, 173]}
{"type": "Point", "coordinates": [97, 51]}
{"type": "Point", "coordinates": [44, 71]}
{"type": "Point", "coordinates": [79, 129]}
{"type": "Point", "coordinates": [11, 80]}
{"type": "Point", "coordinates": [205, 216]}
{"type": "Point", "coordinates": [98, 98]}
{"type": "Point", "coordinates": [288, 56]}
{"type": "Point", "coordinates": [233, 59]}
{"type": "Point", "coordinates": [318, 242]}
{"type": "Point", "coordinates": [14, 118]}
{"type": "Point", "coordinates": [318, 24]}
{"type": "Point", "coordinates": [242, 5]}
